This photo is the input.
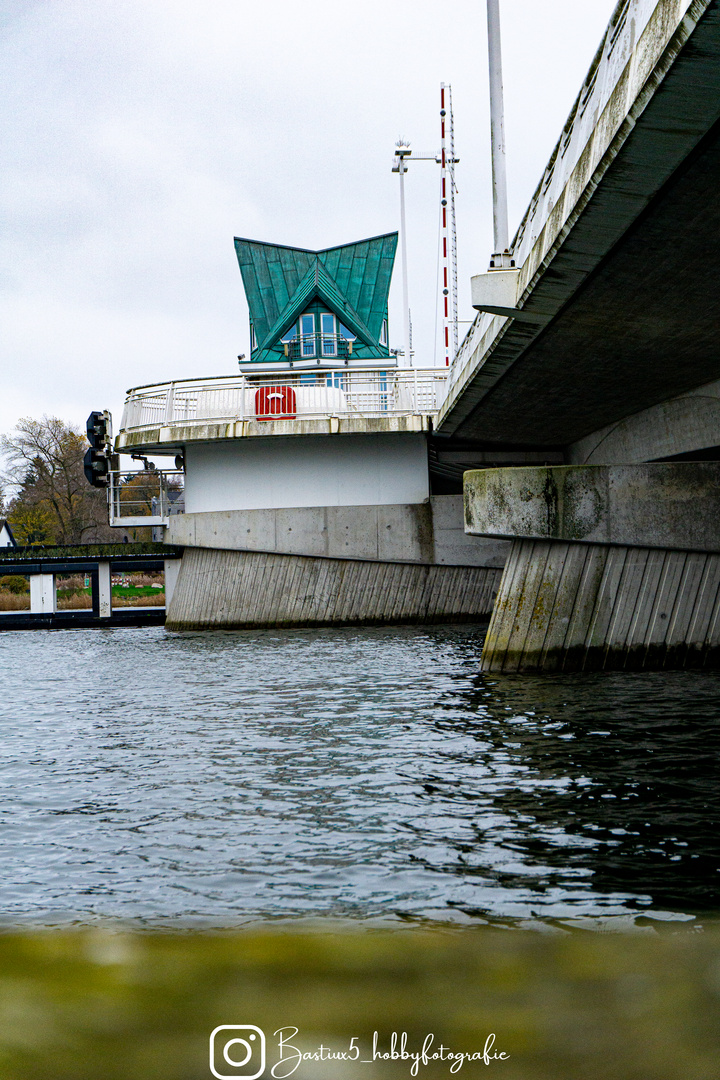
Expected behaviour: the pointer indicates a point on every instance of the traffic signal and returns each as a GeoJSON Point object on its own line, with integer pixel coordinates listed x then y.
{"type": "Point", "coordinates": [96, 462]}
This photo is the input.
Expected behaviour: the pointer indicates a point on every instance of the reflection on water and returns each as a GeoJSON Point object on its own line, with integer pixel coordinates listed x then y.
{"type": "Point", "coordinates": [362, 773]}
{"type": "Point", "coordinates": [614, 790]}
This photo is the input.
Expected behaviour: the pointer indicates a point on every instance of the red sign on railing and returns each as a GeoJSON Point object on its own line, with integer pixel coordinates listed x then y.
{"type": "Point", "coordinates": [275, 402]}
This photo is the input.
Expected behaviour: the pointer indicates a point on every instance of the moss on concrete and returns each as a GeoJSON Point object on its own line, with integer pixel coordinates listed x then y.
{"type": "Point", "coordinates": [563, 1006]}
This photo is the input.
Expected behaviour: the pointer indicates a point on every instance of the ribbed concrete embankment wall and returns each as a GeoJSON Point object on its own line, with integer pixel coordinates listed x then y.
{"type": "Point", "coordinates": [236, 590]}
{"type": "Point", "coordinates": [572, 606]}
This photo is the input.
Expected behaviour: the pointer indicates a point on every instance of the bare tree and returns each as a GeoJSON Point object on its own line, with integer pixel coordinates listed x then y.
{"type": "Point", "coordinates": [52, 500]}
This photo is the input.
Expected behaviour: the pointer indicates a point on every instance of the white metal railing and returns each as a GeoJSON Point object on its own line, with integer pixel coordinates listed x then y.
{"type": "Point", "coordinates": [148, 497]}
{"type": "Point", "coordinates": [288, 395]}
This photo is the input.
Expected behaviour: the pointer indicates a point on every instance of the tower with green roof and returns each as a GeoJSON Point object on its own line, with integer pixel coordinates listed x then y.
{"type": "Point", "coordinates": [327, 307]}
{"type": "Point", "coordinates": [307, 474]}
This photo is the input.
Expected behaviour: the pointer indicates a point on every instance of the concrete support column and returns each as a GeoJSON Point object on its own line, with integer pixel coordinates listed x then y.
{"type": "Point", "coordinates": [584, 607]}
{"type": "Point", "coordinates": [172, 569]}
{"type": "Point", "coordinates": [42, 594]}
{"type": "Point", "coordinates": [612, 567]}
{"type": "Point", "coordinates": [104, 591]}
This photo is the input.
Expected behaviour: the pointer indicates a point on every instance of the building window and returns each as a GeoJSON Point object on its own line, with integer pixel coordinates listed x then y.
{"type": "Point", "coordinates": [327, 328]}
{"type": "Point", "coordinates": [253, 338]}
{"type": "Point", "coordinates": [336, 379]}
{"type": "Point", "coordinates": [307, 334]}
{"type": "Point", "coordinates": [383, 333]}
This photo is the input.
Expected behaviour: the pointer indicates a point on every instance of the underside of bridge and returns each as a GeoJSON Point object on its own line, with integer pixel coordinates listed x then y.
{"type": "Point", "coordinates": [635, 283]}
{"type": "Point", "coordinates": [609, 362]}
{"type": "Point", "coordinates": [644, 327]}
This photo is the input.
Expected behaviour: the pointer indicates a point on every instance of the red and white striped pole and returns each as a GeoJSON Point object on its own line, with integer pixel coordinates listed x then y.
{"type": "Point", "coordinates": [444, 228]}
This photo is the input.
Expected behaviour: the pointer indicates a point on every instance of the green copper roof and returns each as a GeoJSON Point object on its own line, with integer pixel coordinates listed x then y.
{"type": "Point", "coordinates": [353, 281]}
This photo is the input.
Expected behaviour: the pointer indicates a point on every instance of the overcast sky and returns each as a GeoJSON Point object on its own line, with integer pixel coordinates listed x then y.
{"type": "Point", "coordinates": [141, 136]}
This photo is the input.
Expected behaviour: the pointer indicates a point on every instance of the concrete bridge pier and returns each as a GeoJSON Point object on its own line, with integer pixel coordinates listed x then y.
{"type": "Point", "coordinates": [612, 567]}
{"type": "Point", "coordinates": [332, 565]}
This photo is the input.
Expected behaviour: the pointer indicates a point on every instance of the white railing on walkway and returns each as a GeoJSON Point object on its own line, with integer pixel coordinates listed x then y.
{"type": "Point", "coordinates": [145, 497]}
{"type": "Point", "coordinates": [291, 395]}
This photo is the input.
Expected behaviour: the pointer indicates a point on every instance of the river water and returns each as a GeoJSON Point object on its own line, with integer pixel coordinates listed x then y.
{"type": "Point", "coordinates": [364, 774]}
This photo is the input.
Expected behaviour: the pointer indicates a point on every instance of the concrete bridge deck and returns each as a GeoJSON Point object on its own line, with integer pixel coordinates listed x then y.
{"type": "Point", "coordinates": [617, 298]}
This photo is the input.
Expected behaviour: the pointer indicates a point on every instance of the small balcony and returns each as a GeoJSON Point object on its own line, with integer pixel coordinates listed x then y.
{"type": "Point", "coordinates": [318, 347]}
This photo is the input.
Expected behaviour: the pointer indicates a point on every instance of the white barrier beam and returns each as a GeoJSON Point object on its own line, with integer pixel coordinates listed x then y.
{"type": "Point", "coordinates": [104, 591]}
{"type": "Point", "coordinates": [172, 569]}
{"type": "Point", "coordinates": [42, 594]}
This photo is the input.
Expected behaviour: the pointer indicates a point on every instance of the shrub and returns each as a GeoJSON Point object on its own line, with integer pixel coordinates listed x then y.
{"type": "Point", "coordinates": [14, 583]}
{"type": "Point", "coordinates": [142, 581]}
{"type": "Point", "coordinates": [156, 599]}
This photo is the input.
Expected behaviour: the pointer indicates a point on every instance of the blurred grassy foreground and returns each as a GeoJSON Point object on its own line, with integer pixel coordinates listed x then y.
{"type": "Point", "coordinates": [106, 1004]}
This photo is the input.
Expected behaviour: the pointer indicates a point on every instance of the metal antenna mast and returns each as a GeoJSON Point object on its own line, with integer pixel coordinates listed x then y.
{"type": "Point", "coordinates": [449, 225]}
{"type": "Point", "coordinates": [447, 161]}
{"type": "Point", "coordinates": [453, 226]}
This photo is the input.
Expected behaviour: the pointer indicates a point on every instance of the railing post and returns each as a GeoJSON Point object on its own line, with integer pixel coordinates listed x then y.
{"type": "Point", "coordinates": [111, 499]}
{"type": "Point", "coordinates": [170, 404]}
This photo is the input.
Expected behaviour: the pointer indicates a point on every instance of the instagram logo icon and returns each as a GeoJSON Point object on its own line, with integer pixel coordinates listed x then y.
{"type": "Point", "coordinates": [237, 1050]}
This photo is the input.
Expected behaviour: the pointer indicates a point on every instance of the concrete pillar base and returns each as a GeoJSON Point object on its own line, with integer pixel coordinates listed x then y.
{"type": "Point", "coordinates": [565, 606]}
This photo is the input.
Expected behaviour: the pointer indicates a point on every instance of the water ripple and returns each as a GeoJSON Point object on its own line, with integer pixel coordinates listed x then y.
{"type": "Point", "coordinates": [369, 773]}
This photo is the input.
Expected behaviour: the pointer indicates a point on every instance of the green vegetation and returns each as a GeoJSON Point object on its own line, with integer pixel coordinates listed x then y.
{"type": "Point", "coordinates": [14, 592]}
{"type": "Point", "coordinates": [131, 591]}
{"type": "Point", "coordinates": [51, 502]}
{"type": "Point", "coordinates": [14, 583]}
{"type": "Point", "coordinates": [65, 594]}
{"type": "Point", "coordinates": [564, 1005]}
{"type": "Point", "coordinates": [138, 589]}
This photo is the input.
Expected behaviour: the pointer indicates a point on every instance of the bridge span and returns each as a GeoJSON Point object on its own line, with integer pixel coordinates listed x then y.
{"type": "Point", "coordinates": [616, 296]}
{"type": "Point", "coordinates": [600, 350]}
